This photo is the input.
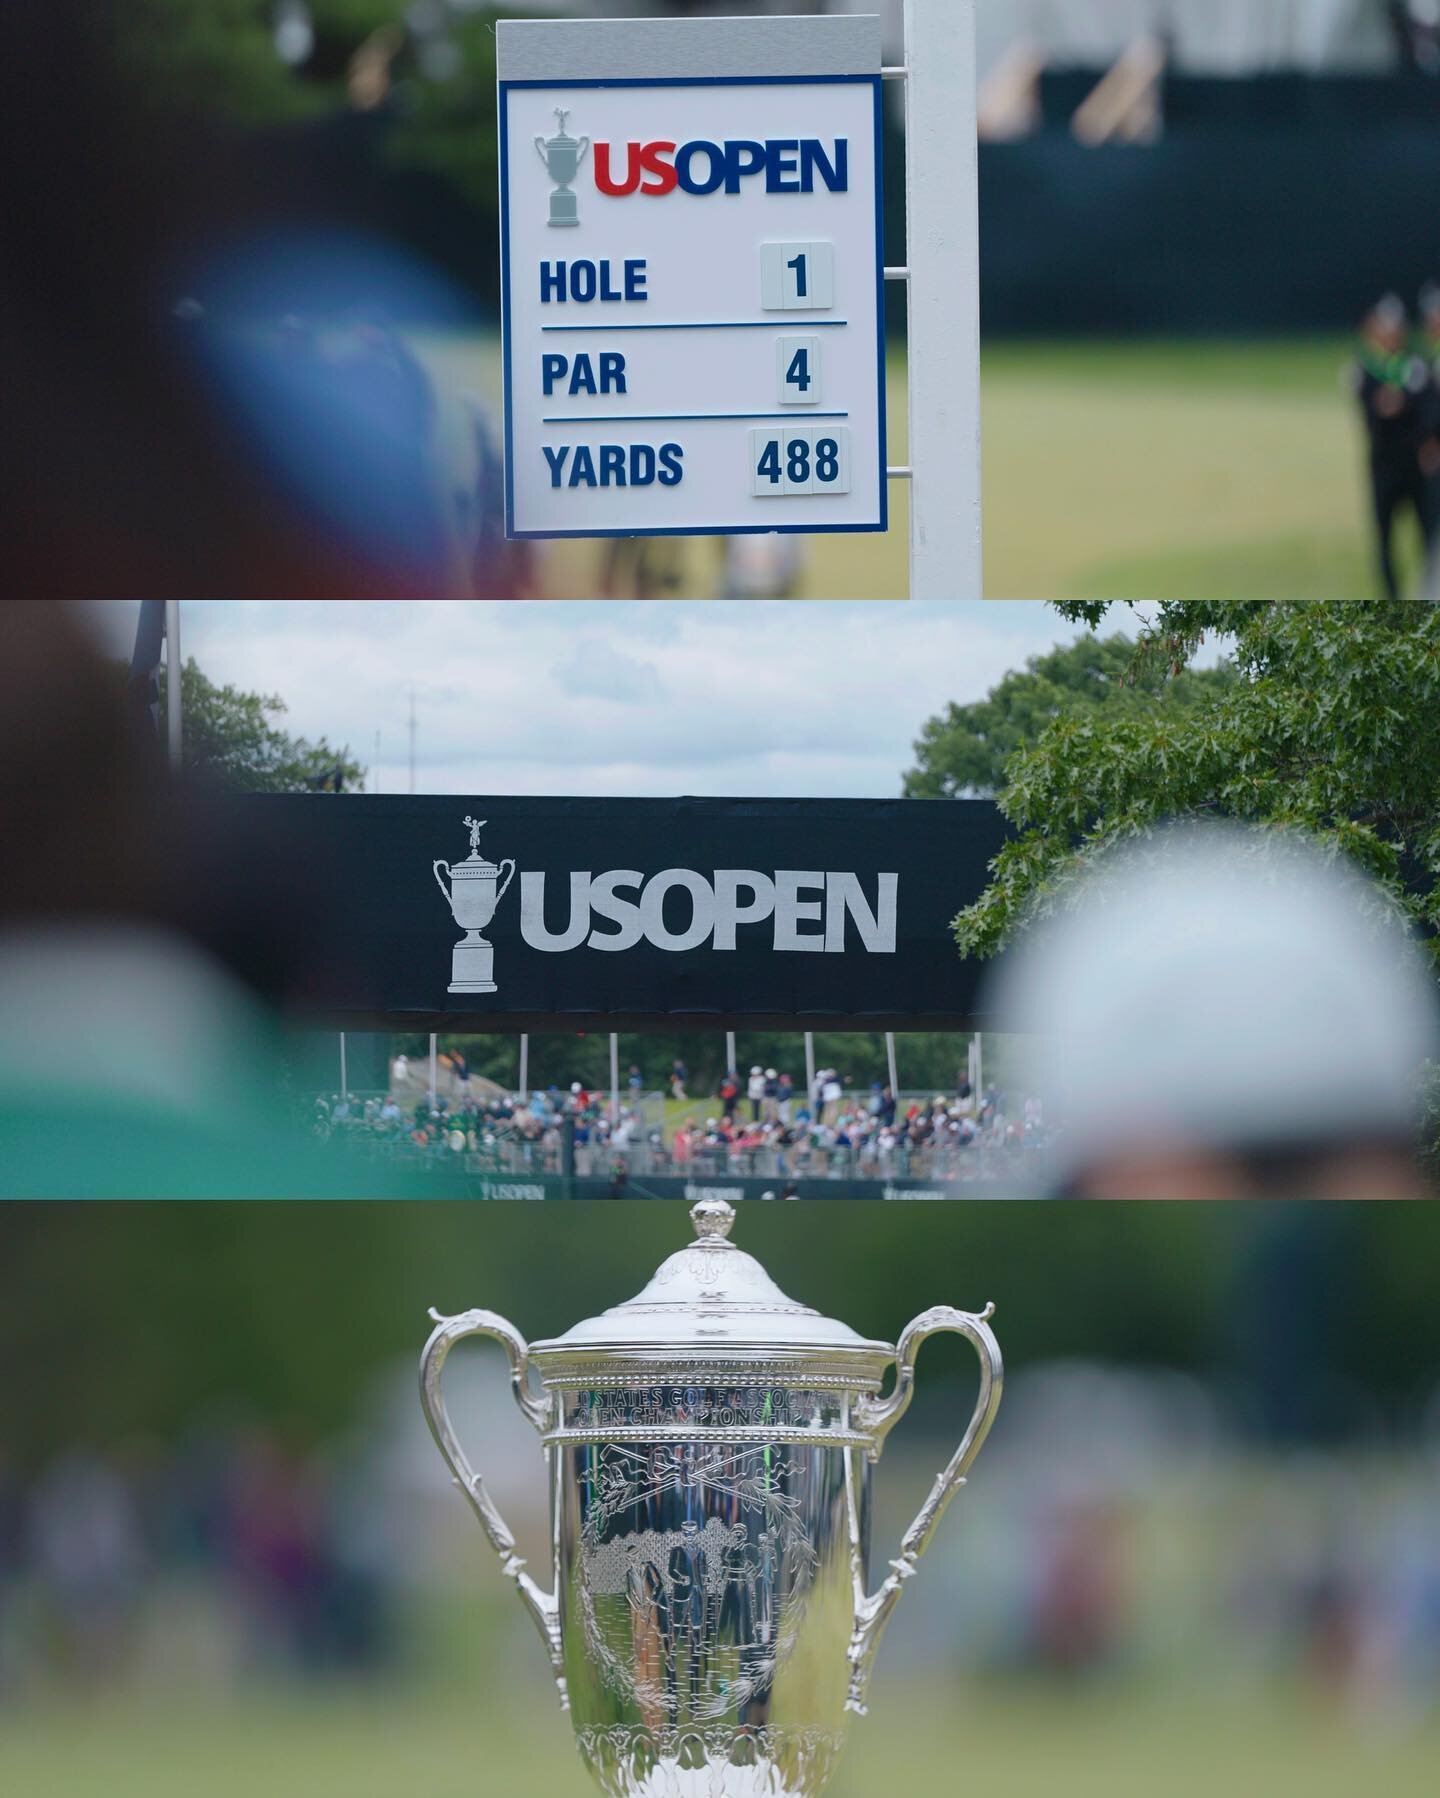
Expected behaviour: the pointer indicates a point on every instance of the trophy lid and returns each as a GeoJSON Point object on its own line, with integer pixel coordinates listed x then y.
{"type": "Point", "coordinates": [475, 866]}
{"type": "Point", "coordinates": [712, 1296]}
{"type": "Point", "coordinates": [562, 139]}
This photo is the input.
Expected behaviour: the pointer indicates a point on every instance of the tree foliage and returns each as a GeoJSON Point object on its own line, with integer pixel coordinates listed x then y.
{"type": "Point", "coordinates": [1328, 729]}
{"type": "Point", "coordinates": [926, 1061]}
{"type": "Point", "coordinates": [963, 752]}
{"type": "Point", "coordinates": [218, 59]}
{"type": "Point", "coordinates": [228, 735]}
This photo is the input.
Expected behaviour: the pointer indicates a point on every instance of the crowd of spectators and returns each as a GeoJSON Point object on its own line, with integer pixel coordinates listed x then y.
{"type": "Point", "coordinates": [291, 1554]}
{"type": "Point", "coordinates": [253, 1556]}
{"type": "Point", "coordinates": [763, 1125]}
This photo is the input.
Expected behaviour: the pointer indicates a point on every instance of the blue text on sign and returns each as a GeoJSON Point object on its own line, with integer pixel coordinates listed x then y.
{"type": "Point", "coordinates": [585, 281]}
{"type": "Point", "coordinates": [579, 374]}
{"type": "Point", "coordinates": [616, 465]}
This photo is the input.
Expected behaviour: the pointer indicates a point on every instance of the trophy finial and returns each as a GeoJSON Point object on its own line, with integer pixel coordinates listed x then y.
{"type": "Point", "coordinates": [562, 113]}
{"type": "Point", "coordinates": [476, 826]}
{"type": "Point", "coordinates": [713, 1219]}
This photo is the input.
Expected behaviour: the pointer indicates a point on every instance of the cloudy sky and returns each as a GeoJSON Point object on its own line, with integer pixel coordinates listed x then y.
{"type": "Point", "coordinates": [767, 700]}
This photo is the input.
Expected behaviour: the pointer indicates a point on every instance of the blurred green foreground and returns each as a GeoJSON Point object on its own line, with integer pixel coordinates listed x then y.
{"type": "Point", "coordinates": [393, 1745]}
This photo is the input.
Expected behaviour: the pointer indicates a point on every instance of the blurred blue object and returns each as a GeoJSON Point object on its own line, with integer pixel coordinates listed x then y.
{"type": "Point", "coordinates": [302, 339]}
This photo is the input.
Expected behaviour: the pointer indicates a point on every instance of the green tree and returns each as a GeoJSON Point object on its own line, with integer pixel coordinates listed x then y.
{"type": "Point", "coordinates": [228, 735]}
{"type": "Point", "coordinates": [926, 1060]}
{"type": "Point", "coordinates": [219, 57]}
{"type": "Point", "coordinates": [963, 752]}
{"type": "Point", "coordinates": [1328, 728]}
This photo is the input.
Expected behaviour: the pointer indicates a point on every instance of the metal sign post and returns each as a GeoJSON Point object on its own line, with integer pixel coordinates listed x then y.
{"type": "Point", "coordinates": [172, 681]}
{"type": "Point", "coordinates": [942, 276]}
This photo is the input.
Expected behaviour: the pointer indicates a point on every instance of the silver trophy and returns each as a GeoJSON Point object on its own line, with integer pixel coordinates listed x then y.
{"type": "Point", "coordinates": [562, 156]}
{"type": "Point", "coordinates": [710, 1444]}
{"type": "Point", "coordinates": [472, 897]}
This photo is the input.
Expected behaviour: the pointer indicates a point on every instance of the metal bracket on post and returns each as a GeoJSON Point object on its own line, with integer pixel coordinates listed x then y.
{"type": "Point", "coordinates": [942, 263]}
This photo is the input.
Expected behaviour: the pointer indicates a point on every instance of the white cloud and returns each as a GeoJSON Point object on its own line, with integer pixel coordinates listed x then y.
{"type": "Point", "coordinates": [782, 699]}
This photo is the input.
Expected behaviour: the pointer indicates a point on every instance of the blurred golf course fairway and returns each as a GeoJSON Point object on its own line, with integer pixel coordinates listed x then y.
{"type": "Point", "coordinates": [401, 1742]}
{"type": "Point", "coordinates": [1144, 470]}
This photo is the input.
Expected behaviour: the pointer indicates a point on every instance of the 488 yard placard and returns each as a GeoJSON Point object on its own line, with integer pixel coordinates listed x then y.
{"type": "Point", "coordinates": [692, 268]}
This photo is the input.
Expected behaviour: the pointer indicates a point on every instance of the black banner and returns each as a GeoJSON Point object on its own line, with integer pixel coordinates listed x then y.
{"type": "Point", "coordinates": [486, 914]}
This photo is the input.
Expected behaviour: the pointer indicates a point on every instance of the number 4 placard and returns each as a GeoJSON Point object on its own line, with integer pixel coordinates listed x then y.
{"type": "Point", "coordinates": [797, 277]}
{"type": "Point", "coordinates": [797, 366]}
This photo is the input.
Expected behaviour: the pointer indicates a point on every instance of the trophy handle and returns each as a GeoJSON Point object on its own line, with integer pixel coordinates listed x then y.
{"type": "Point", "coordinates": [435, 870]}
{"type": "Point", "coordinates": [872, 1611]}
{"type": "Point", "coordinates": [544, 1607]}
{"type": "Point", "coordinates": [500, 890]}
{"type": "Point", "coordinates": [580, 153]}
{"type": "Point", "coordinates": [540, 150]}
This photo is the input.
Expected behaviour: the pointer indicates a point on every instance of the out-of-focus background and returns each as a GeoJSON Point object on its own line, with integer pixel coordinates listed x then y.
{"type": "Point", "coordinates": [1200, 1552]}
{"type": "Point", "coordinates": [257, 281]}
{"type": "Point", "coordinates": [157, 954]}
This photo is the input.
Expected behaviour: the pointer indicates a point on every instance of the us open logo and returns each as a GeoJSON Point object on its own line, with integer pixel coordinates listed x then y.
{"type": "Point", "coordinates": [790, 165]}
{"type": "Point", "coordinates": [789, 911]}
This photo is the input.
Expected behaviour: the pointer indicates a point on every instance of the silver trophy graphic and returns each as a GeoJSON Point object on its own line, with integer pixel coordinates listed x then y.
{"type": "Point", "coordinates": [711, 1443]}
{"type": "Point", "coordinates": [562, 156]}
{"type": "Point", "coordinates": [472, 897]}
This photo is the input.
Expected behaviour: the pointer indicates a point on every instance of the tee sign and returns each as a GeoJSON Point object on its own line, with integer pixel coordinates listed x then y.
{"type": "Point", "coordinates": [693, 276]}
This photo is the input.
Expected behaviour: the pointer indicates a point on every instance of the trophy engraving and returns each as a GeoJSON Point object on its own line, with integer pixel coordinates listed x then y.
{"type": "Point", "coordinates": [472, 896]}
{"type": "Point", "coordinates": [711, 1446]}
{"type": "Point", "coordinates": [562, 156]}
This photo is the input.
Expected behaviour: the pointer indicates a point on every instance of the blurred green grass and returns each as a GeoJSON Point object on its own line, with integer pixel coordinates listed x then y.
{"type": "Point", "coordinates": [398, 1743]}
{"type": "Point", "coordinates": [1115, 470]}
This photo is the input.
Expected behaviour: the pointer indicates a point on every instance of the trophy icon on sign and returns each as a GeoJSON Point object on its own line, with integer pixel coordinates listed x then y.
{"type": "Point", "coordinates": [562, 156]}
{"type": "Point", "coordinates": [472, 897]}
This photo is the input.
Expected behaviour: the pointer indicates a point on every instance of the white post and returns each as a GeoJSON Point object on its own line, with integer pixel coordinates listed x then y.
{"type": "Point", "coordinates": [890, 1057]}
{"type": "Point", "coordinates": [524, 1068]}
{"type": "Point", "coordinates": [730, 1052]}
{"type": "Point", "coordinates": [809, 1072]}
{"type": "Point", "coordinates": [344, 1077]}
{"type": "Point", "coordinates": [614, 1079]}
{"type": "Point", "coordinates": [979, 1072]}
{"type": "Point", "coordinates": [433, 1040]}
{"type": "Point", "coordinates": [943, 340]}
{"type": "Point", "coordinates": [172, 681]}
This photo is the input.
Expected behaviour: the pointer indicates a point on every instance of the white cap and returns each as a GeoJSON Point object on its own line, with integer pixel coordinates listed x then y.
{"type": "Point", "coordinates": [1225, 988]}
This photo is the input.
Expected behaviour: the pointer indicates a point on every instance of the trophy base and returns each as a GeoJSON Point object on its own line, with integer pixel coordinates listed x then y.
{"type": "Point", "coordinates": [472, 966]}
{"type": "Point", "coordinates": [564, 209]}
{"type": "Point", "coordinates": [630, 1761]}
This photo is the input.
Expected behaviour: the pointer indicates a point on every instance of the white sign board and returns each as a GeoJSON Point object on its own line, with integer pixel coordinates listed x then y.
{"type": "Point", "coordinates": [693, 279]}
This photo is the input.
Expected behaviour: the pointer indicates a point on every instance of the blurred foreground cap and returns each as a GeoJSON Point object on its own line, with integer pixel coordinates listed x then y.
{"type": "Point", "coordinates": [1221, 988]}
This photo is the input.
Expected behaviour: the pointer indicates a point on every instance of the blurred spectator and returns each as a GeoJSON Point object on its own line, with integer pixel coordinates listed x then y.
{"type": "Point", "coordinates": [1136, 991]}
{"type": "Point", "coordinates": [1390, 382]}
